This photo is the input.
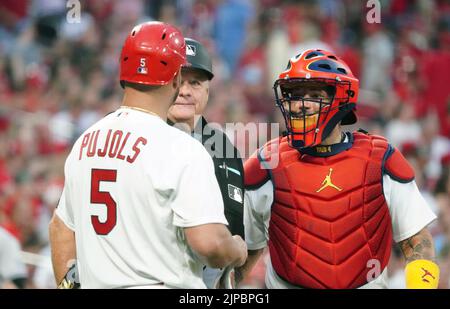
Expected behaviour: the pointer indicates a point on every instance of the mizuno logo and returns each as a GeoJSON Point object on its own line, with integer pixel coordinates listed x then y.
{"type": "Point", "coordinates": [426, 273]}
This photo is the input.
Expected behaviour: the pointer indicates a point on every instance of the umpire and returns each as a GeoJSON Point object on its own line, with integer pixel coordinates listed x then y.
{"type": "Point", "coordinates": [186, 111]}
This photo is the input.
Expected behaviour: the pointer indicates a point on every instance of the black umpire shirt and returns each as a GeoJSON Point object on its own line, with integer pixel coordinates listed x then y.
{"type": "Point", "coordinates": [229, 172]}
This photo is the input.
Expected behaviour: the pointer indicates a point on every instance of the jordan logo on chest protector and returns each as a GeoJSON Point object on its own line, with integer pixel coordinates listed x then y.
{"type": "Point", "coordinates": [328, 183]}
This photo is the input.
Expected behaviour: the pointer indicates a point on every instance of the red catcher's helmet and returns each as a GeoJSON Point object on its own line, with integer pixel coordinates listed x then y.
{"type": "Point", "coordinates": [152, 54]}
{"type": "Point", "coordinates": [315, 66]}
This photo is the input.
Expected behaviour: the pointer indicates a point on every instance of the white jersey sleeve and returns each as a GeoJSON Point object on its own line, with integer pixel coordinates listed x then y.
{"type": "Point", "coordinates": [257, 208]}
{"type": "Point", "coordinates": [64, 210]}
{"type": "Point", "coordinates": [11, 265]}
{"type": "Point", "coordinates": [198, 187]}
{"type": "Point", "coordinates": [407, 207]}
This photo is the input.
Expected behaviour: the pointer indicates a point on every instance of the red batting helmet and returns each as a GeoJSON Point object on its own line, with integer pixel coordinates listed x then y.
{"type": "Point", "coordinates": [152, 54]}
{"type": "Point", "coordinates": [315, 66]}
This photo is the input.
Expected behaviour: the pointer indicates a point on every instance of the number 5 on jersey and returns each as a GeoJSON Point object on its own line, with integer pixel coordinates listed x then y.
{"type": "Point", "coordinates": [102, 197]}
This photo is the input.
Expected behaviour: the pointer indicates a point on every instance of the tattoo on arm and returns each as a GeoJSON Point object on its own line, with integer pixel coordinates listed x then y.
{"type": "Point", "coordinates": [419, 246]}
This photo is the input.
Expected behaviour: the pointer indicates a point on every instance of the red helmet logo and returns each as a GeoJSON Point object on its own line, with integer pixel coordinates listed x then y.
{"type": "Point", "coordinates": [152, 54]}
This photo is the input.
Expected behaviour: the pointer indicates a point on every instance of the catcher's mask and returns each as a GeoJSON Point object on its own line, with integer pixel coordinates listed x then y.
{"type": "Point", "coordinates": [315, 92]}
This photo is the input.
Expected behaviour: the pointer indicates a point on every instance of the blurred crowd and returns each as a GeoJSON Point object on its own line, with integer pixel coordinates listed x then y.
{"type": "Point", "coordinates": [58, 77]}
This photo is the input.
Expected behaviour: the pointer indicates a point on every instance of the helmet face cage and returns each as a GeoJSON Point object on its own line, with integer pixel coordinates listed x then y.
{"type": "Point", "coordinates": [306, 129]}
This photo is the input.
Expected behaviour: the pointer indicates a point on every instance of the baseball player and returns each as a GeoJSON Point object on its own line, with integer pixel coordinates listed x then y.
{"type": "Point", "coordinates": [330, 206]}
{"type": "Point", "coordinates": [13, 273]}
{"type": "Point", "coordinates": [187, 109]}
{"type": "Point", "coordinates": [141, 207]}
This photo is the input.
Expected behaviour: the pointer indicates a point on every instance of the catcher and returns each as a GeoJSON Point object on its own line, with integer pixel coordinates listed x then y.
{"type": "Point", "coordinates": [330, 209]}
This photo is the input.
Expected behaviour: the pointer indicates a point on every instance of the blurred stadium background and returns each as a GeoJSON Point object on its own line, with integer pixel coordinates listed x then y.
{"type": "Point", "coordinates": [57, 78]}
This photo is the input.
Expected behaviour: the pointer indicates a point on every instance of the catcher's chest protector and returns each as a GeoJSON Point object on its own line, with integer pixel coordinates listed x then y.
{"type": "Point", "coordinates": [330, 218]}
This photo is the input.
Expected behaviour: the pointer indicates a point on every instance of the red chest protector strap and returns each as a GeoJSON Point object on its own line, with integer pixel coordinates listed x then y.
{"type": "Point", "coordinates": [396, 166]}
{"type": "Point", "coordinates": [258, 167]}
{"type": "Point", "coordinates": [256, 173]}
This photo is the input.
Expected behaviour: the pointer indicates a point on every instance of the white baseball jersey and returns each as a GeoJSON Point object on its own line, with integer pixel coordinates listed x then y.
{"type": "Point", "coordinates": [11, 264]}
{"type": "Point", "coordinates": [408, 209]}
{"type": "Point", "coordinates": [132, 183]}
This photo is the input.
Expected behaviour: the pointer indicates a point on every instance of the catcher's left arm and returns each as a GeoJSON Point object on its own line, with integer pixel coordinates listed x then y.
{"type": "Point", "coordinates": [421, 270]}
